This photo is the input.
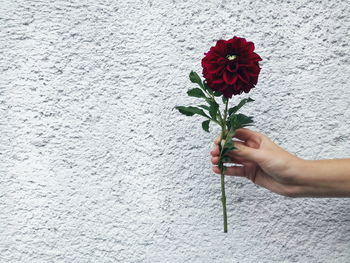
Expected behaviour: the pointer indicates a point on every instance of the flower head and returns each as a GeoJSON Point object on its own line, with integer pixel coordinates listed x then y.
{"type": "Point", "coordinates": [231, 66]}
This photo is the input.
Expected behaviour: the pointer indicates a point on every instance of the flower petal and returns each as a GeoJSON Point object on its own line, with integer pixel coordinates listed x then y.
{"type": "Point", "coordinates": [243, 77]}
{"type": "Point", "coordinates": [221, 48]}
{"type": "Point", "coordinates": [250, 47]}
{"type": "Point", "coordinates": [229, 77]}
{"type": "Point", "coordinates": [232, 67]}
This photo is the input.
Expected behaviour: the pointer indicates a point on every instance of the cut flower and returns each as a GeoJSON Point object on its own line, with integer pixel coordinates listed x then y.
{"type": "Point", "coordinates": [231, 66]}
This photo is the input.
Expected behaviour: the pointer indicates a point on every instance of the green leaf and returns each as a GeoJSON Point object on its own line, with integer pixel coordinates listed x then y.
{"type": "Point", "coordinates": [240, 120]}
{"type": "Point", "coordinates": [227, 149]}
{"type": "Point", "coordinates": [244, 120]}
{"type": "Point", "coordinates": [231, 122]}
{"type": "Point", "coordinates": [194, 78]}
{"type": "Point", "coordinates": [210, 90]}
{"type": "Point", "coordinates": [240, 105]}
{"type": "Point", "coordinates": [190, 111]}
{"type": "Point", "coordinates": [225, 159]}
{"type": "Point", "coordinates": [205, 125]}
{"type": "Point", "coordinates": [228, 146]}
{"type": "Point", "coordinates": [224, 99]}
{"type": "Point", "coordinates": [231, 134]}
{"type": "Point", "coordinates": [217, 93]}
{"type": "Point", "coordinates": [213, 109]}
{"type": "Point", "coordinates": [228, 124]}
{"type": "Point", "coordinates": [228, 143]}
{"type": "Point", "coordinates": [196, 92]}
{"type": "Point", "coordinates": [204, 107]}
{"type": "Point", "coordinates": [207, 88]}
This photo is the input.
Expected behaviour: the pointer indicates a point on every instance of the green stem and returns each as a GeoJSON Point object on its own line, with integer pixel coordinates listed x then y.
{"type": "Point", "coordinates": [222, 122]}
{"type": "Point", "coordinates": [223, 194]}
{"type": "Point", "coordinates": [222, 170]}
{"type": "Point", "coordinates": [223, 200]}
{"type": "Point", "coordinates": [225, 112]}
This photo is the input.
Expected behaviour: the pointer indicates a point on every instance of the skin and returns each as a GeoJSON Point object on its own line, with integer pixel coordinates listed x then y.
{"type": "Point", "coordinates": [268, 165]}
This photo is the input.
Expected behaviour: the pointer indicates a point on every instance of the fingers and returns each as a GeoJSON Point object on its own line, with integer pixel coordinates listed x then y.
{"type": "Point", "coordinates": [247, 150]}
{"type": "Point", "coordinates": [215, 160]}
{"type": "Point", "coordinates": [231, 170]}
{"type": "Point", "coordinates": [237, 156]}
{"type": "Point", "coordinates": [248, 153]}
{"type": "Point", "coordinates": [244, 134]}
{"type": "Point", "coordinates": [215, 151]}
{"type": "Point", "coordinates": [236, 159]}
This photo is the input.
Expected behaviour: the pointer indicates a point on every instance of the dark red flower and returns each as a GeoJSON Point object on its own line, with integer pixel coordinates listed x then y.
{"type": "Point", "coordinates": [231, 66]}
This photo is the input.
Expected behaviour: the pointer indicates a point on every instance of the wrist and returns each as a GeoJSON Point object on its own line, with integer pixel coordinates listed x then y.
{"type": "Point", "coordinates": [300, 166]}
{"type": "Point", "coordinates": [294, 170]}
{"type": "Point", "coordinates": [298, 181]}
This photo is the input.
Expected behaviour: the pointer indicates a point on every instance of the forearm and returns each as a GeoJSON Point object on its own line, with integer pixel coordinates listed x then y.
{"type": "Point", "coordinates": [324, 178]}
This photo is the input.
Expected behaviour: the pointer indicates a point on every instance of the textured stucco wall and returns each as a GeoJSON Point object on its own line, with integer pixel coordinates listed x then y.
{"type": "Point", "coordinates": [95, 166]}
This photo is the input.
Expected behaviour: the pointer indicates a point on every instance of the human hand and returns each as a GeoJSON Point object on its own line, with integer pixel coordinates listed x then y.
{"type": "Point", "coordinates": [263, 162]}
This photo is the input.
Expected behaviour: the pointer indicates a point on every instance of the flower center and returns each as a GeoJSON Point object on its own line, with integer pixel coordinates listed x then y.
{"type": "Point", "coordinates": [231, 57]}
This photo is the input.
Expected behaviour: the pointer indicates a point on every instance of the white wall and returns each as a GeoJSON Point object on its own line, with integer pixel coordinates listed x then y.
{"type": "Point", "coordinates": [96, 166]}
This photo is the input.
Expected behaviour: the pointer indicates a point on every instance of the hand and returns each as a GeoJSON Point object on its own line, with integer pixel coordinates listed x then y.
{"type": "Point", "coordinates": [263, 162]}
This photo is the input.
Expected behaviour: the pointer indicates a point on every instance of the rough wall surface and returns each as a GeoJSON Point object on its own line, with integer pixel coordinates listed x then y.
{"type": "Point", "coordinates": [95, 166]}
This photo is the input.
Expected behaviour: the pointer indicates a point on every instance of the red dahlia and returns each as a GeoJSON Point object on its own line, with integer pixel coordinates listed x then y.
{"type": "Point", "coordinates": [231, 66]}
